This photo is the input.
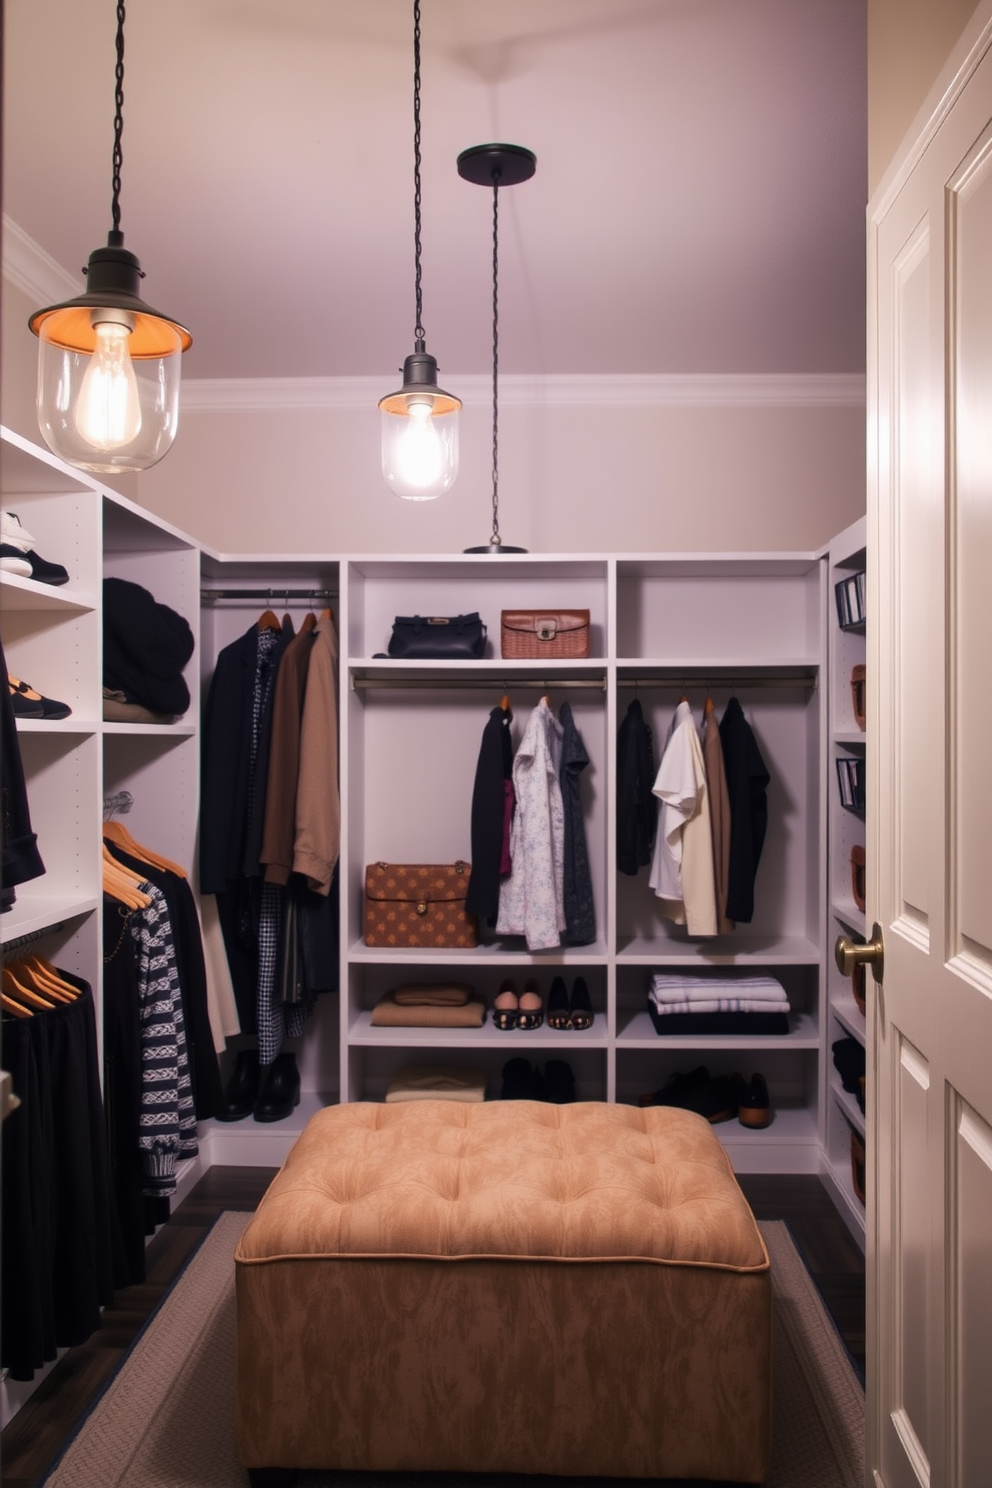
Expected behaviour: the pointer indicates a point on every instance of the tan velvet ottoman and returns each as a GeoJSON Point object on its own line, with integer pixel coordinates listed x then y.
{"type": "Point", "coordinates": [504, 1287]}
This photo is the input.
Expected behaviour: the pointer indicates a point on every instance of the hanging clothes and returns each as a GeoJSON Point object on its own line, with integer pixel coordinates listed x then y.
{"type": "Point", "coordinates": [284, 756]}
{"type": "Point", "coordinates": [682, 868]}
{"type": "Point", "coordinates": [747, 784]}
{"type": "Point", "coordinates": [317, 844]}
{"type": "Point", "coordinates": [637, 805]}
{"type": "Point", "coordinates": [719, 801]}
{"type": "Point", "coordinates": [57, 1243]}
{"type": "Point", "coordinates": [577, 897]}
{"type": "Point", "coordinates": [491, 791]}
{"type": "Point", "coordinates": [531, 900]}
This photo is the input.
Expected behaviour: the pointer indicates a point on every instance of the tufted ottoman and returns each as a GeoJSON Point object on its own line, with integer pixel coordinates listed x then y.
{"type": "Point", "coordinates": [504, 1287]}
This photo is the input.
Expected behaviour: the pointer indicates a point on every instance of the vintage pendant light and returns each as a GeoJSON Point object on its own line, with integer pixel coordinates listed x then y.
{"type": "Point", "coordinates": [108, 364]}
{"type": "Point", "coordinates": [420, 422]}
{"type": "Point", "coordinates": [496, 166]}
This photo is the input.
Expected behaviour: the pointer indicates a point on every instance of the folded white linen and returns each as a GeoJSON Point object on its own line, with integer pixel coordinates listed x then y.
{"type": "Point", "coordinates": [719, 1005]}
{"type": "Point", "coordinates": [666, 987]}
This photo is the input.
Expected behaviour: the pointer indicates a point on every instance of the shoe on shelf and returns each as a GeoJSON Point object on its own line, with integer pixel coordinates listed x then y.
{"type": "Point", "coordinates": [17, 544]}
{"type": "Point", "coordinates": [506, 1005]}
{"type": "Point", "coordinates": [678, 1089]}
{"type": "Point", "coordinates": [559, 1082]}
{"type": "Point", "coordinates": [27, 703]}
{"type": "Point", "coordinates": [580, 1007]}
{"type": "Point", "coordinates": [558, 1010]}
{"type": "Point", "coordinates": [12, 560]}
{"type": "Point", "coordinates": [242, 1088]}
{"type": "Point", "coordinates": [531, 1014]}
{"type": "Point", "coordinates": [12, 533]}
{"type": "Point", "coordinates": [280, 1091]}
{"type": "Point", "coordinates": [755, 1109]}
{"type": "Point", "coordinates": [520, 1080]}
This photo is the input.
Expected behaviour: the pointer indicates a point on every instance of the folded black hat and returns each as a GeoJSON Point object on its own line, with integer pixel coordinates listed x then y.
{"type": "Point", "coordinates": [145, 647]}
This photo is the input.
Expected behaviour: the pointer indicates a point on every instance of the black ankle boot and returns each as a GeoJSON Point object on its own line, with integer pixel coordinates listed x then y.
{"type": "Point", "coordinates": [280, 1091]}
{"type": "Point", "coordinates": [242, 1088]}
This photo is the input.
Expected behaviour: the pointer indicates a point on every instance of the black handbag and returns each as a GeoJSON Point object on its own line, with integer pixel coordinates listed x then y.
{"type": "Point", "coordinates": [438, 637]}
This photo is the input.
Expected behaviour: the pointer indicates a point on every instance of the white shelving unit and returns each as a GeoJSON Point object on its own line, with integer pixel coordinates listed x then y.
{"type": "Point", "coordinates": [842, 1115]}
{"type": "Point", "coordinates": [757, 626]}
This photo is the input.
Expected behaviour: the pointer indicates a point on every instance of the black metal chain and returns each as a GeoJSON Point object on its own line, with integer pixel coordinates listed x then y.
{"type": "Point", "coordinates": [418, 329]}
{"type": "Point", "coordinates": [118, 118]}
{"type": "Point", "coordinates": [495, 540]}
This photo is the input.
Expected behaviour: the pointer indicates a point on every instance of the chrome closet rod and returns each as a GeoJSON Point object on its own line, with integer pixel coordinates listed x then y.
{"type": "Point", "coordinates": [209, 596]}
{"type": "Point", "coordinates": [479, 684]}
{"type": "Point", "coordinates": [714, 680]}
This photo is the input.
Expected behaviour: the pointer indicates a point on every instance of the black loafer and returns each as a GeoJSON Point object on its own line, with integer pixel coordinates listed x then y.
{"type": "Point", "coordinates": [44, 572]}
{"type": "Point", "coordinates": [242, 1088]}
{"type": "Point", "coordinates": [755, 1108]}
{"type": "Point", "coordinates": [519, 1080]}
{"type": "Point", "coordinates": [280, 1092]}
{"type": "Point", "coordinates": [559, 1082]}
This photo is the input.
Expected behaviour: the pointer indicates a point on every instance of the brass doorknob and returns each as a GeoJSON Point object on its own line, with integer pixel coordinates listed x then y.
{"type": "Point", "coordinates": [848, 954]}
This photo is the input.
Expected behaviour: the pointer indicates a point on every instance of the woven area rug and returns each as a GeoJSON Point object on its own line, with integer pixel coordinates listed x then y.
{"type": "Point", "coordinates": [166, 1420]}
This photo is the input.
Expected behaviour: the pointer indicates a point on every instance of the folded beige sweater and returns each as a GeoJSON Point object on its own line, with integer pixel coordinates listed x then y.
{"type": "Point", "coordinates": [432, 994]}
{"type": "Point", "coordinates": [388, 1013]}
{"type": "Point", "coordinates": [435, 1082]}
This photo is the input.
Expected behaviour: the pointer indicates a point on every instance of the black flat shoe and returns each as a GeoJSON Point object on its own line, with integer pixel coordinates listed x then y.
{"type": "Point", "coordinates": [558, 1014]}
{"type": "Point", "coordinates": [580, 1008]}
{"type": "Point", "coordinates": [242, 1088]}
{"type": "Point", "coordinates": [678, 1089]}
{"type": "Point", "coordinates": [519, 1080]}
{"type": "Point", "coordinates": [559, 1082]}
{"type": "Point", "coordinates": [280, 1092]}
{"type": "Point", "coordinates": [755, 1109]}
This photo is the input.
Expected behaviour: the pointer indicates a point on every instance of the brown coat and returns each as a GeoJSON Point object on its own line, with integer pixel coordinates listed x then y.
{"type": "Point", "coordinates": [318, 802]}
{"type": "Point", "coordinates": [279, 831]}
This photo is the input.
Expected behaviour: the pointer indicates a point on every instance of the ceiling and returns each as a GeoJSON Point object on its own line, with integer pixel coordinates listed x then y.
{"type": "Point", "coordinates": [698, 205]}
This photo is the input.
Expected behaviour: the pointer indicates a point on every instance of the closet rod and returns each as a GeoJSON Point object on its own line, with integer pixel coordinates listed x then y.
{"type": "Point", "coordinates": [31, 937]}
{"type": "Point", "coordinates": [478, 684]}
{"type": "Point", "coordinates": [712, 679]}
{"type": "Point", "coordinates": [210, 596]}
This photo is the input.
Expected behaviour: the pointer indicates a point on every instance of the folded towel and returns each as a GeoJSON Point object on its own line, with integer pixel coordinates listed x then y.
{"type": "Point", "coordinates": [432, 994]}
{"type": "Point", "coordinates": [433, 1082]}
{"type": "Point", "coordinates": [388, 1013]}
{"type": "Point", "coordinates": [666, 988]}
{"type": "Point", "coordinates": [718, 1005]}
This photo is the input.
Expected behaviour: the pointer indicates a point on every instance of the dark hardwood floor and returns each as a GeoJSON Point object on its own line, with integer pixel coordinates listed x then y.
{"type": "Point", "coordinates": [36, 1434]}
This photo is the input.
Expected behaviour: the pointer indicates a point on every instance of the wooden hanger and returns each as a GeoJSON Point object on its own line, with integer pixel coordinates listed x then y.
{"type": "Point", "coordinates": [116, 831]}
{"type": "Point", "coordinates": [708, 706]}
{"type": "Point", "coordinates": [268, 620]}
{"type": "Point", "coordinates": [45, 977]}
{"type": "Point", "coordinates": [9, 1005]}
{"type": "Point", "coordinates": [22, 994]}
{"type": "Point", "coordinates": [504, 703]}
{"type": "Point", "coordinates": [121, 884]}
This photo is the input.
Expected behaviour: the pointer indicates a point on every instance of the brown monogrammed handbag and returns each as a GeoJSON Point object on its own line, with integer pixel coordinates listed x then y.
{"type": "Point", "coordinates": [418, 904]}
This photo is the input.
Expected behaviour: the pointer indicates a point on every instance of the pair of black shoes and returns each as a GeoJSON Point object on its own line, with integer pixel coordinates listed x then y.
{"type": "Point", "coordinates": [570, 1012]}
{"type": "Point", "coordinates": [268, 1092]}
{"type": "Point", "coordinates": [524, 1081]}
{"type": "Point", "coordinates": [716, 1097]}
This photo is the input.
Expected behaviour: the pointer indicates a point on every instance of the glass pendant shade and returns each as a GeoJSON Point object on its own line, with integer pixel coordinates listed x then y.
{"type": "Point", "coordinates": [108, 371]}
{"type": "Point", "coordinates": [420, 433]}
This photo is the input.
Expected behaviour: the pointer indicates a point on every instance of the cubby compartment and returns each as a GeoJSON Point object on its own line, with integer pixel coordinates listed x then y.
{"type": "Point", "coordinates": [715, 610]}
{"type": "Point", "coordinates": [784, 715]}
{"type": "Point", "coordinates": [371, 1067]}
{"type": "Point", "coordinates": [635, 1027]}
{"type": "Point", "coordinates": [411, 754]}
{"type": "Point", "coordinates": [381, 589]}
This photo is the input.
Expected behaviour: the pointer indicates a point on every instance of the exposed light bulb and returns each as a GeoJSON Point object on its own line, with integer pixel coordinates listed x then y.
{"type": "Point", "coordinates": [419, 455]}
{"type": "Point", "coordinates": [108, 413]}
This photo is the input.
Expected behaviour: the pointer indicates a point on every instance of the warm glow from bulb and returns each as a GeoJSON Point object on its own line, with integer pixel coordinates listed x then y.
{"type": "Point", "coordinates": [419, 452]}
{"type": "Point", "coordinates": [108, 414]}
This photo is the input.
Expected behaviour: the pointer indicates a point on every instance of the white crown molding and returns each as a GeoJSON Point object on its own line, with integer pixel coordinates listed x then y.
{"type": "Point", "coordinates": [33, 271]}
{"type": "Point", "coordinates": [700, 390]}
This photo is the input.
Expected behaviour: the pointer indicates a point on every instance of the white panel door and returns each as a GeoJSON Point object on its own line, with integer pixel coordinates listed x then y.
{"type": "Point", "coordinates": [930, 795]}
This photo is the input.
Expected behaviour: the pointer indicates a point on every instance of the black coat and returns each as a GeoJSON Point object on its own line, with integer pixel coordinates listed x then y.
{"type": "Point", "coordinates": [747, 782]}
{"type": "Point", "coordinates": [494, 767]}
{"type": "Point", "coordinates": [637, 805]}
{"type": "Point", "coordinates": [580, 910]}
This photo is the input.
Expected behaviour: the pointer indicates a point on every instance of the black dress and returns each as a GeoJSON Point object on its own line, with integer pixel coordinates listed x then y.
{"type": "Point", "coordinates": [493, 769]}
{"type": "Point", "coordinates": [747, 782]}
